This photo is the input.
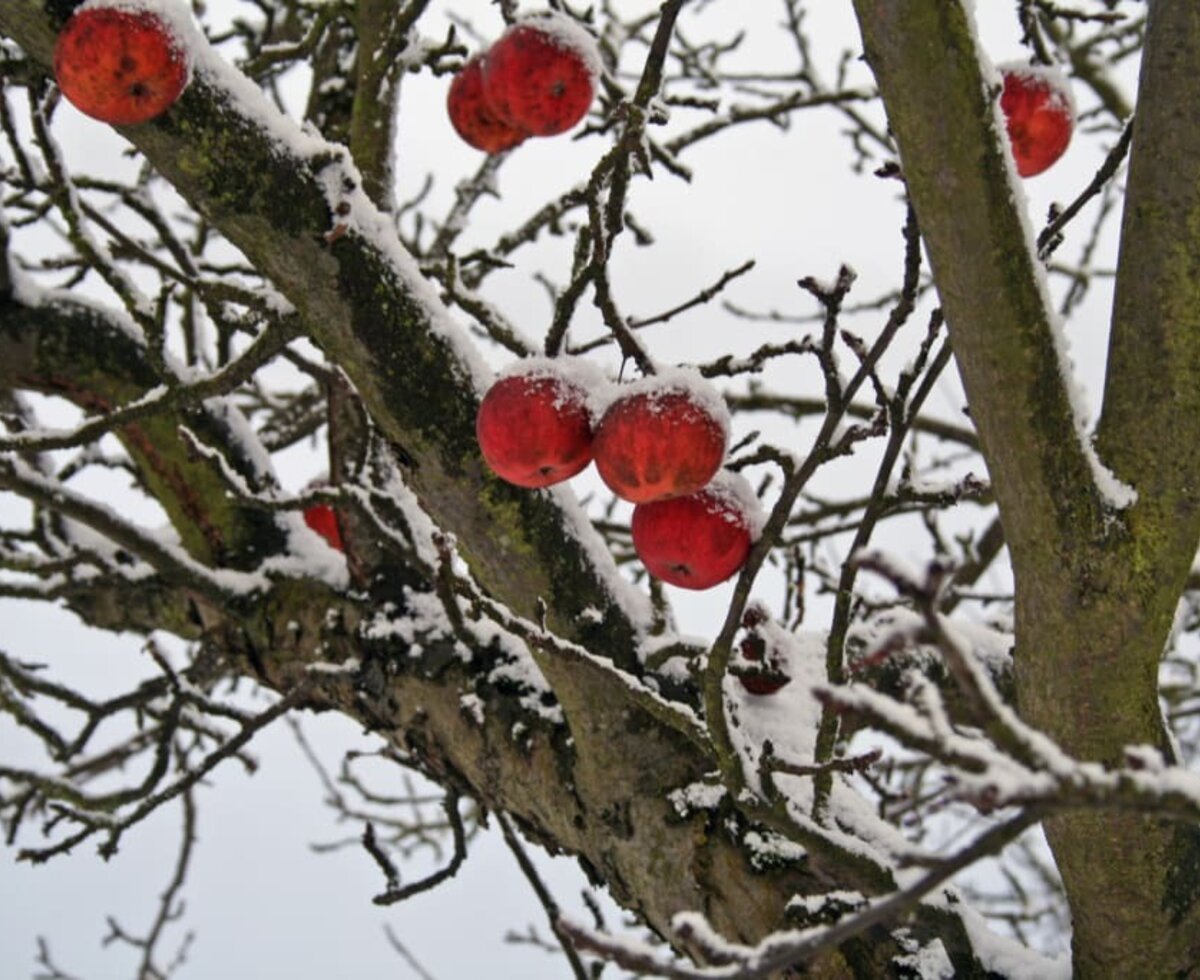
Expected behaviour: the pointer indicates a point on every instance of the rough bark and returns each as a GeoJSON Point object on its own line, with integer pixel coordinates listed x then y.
{"type": "Point", "coordinates": [1096, 587]}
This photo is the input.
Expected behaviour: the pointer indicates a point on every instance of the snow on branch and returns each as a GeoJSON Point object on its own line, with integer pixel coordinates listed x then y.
{"type": "Point", "coordinates": [1005, 762]}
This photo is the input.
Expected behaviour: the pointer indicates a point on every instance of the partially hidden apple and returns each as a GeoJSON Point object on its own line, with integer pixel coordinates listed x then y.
{"type": "Point", "coordinates": [118, 65]}
{"type": "Point", "coordinates": [761, 674]}
{"type": "Point", "coordinates": [471, 116]}
{"type": "Point", "coordinates": [760, 671]}
{"type": "Point", "coordinates": [1038, 114]}
{"type": "Point", "coordinates": [534, 427]}
{"type": "Point", "coordinates": [540, 75]}
{"type": "Point", "coordinates": [661, 438]}
{"type": "Point", "coordinates": [323, 519]}
{"type": "Point", "coordinates": [699, 540]}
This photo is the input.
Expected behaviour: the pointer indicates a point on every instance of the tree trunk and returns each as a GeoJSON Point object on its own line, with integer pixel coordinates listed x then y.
{"type": "Point", "coordinates": [1096, 586]}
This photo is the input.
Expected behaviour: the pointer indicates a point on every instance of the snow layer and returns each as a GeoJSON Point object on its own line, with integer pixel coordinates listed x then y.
{"type": "Point", "coordinates": [568, 33]}
{"type": "Point", "coordinates": [670, 380]}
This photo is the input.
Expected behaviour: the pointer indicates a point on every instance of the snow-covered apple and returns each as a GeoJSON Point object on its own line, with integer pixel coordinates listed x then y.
{"type": "Point", "coordinates": [118, 65]}
{"type": "Point", "coordinates": [661, 439]}
{"type": "Point", "coordinates": [471, 116]}
{"type": "Point", "coordinates": [540, 76]}
{"type": "Point", "coordinates": [761, 672]}
{"type": "Point", "coordinates": [323, 519]}
{"type": "Point", "coordinates": [1038, 114]}
{"type": "Point", "coordinates": [534, 427]}
{"type": "Point", "coordinates": [699, 540]}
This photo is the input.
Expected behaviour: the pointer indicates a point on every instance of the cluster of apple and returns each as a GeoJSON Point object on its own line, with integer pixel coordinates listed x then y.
{"type": "Point", "coordinates": [119, 64]}
{"type": "Point", "coordinates": [538, 79]}
{"type": "Point", "coordinates": [659, 443]}
{"type": "Point", "coordinates": [1038, 114]}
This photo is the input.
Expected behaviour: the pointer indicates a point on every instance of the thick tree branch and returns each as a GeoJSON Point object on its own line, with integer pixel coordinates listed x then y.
{"type": "Point", "coordinates": [1095, 589]}
{"type": "Point", "coordinates": [71, 349]}
{"type": "Point", "coordinates": [1152, 385]}
{"type": "Point", "coordinates": [944, 117]}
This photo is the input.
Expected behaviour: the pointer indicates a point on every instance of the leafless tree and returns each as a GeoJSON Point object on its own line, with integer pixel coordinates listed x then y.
{"type": "Point", "coordinates": [985, 631]}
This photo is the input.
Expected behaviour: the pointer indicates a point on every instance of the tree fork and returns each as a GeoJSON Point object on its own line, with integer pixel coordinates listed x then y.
{"type": "Point", "coordinates": [1095, 587]}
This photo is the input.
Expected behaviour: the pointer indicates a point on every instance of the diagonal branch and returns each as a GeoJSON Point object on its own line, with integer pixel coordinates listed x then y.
{"type": "Point", "coordinates": [1004, 336]}
{"type": "Point", "coordinates": [59, 346]}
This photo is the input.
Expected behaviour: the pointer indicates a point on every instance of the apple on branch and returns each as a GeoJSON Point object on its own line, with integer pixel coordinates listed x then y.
{"type": "Point", "coordinates": [699, 540]}
{"type": "Point", "coordinates": [534, 426]}
{"type": "Point", "coordinates": [760, 670]}
{"type": "Point", "coordinates": [121, 66]}
{"type": "Point", "coordinates": [323, 519]}
{"type": "Point", "coordinates": [663, 436]}
{"type": "Point", "coordinates": [1038, 114]}
{"type": "Point", "coordinates": [471, 116]}
{"type": "Point", "coordinates": [540, 75]}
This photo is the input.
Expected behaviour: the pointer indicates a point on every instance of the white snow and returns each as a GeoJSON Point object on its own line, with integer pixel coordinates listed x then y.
{"type": "Point", "coordinates": [734, 492]}
{"type": "Point", "coordinates": [930, 962]}
{"type": "Point", "coordinates": [1050, 76]}
{"type": "Point", "coordinates": [472, 705]}
{"type": "Point", "coordinates": [576, 379]}
{"type": "Point", "coordinates": [697, 796]}
{"type": "Point", "coordinates": [348, 666]}
{"type": "Point", "coordinates": [768, 849]}
{"type": "Point", "coordinates": [685, 381]}
{"type": "Point", "coordinates": [1006, 957]}
{"type": "Point", "coordinates": [789, 718]}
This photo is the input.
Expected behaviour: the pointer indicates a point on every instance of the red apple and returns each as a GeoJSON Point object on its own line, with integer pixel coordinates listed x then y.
{"type": "Point", "coordinates": [534, 427]}
{"type": "Point", "coordinates": [1038, 114]}
{"type": "Point", "coordinates": [323, 519]}
{"type": "Point", "coordinates": [470, 115]}
{"type": "Point", "coordinates": [539, 77]}
{"type": "Point", "coordinates": [119, 66]}
{"type": "Point", "coordinates": [655, 443]}
{"type": "Point", "coordinates": [697, 541]}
